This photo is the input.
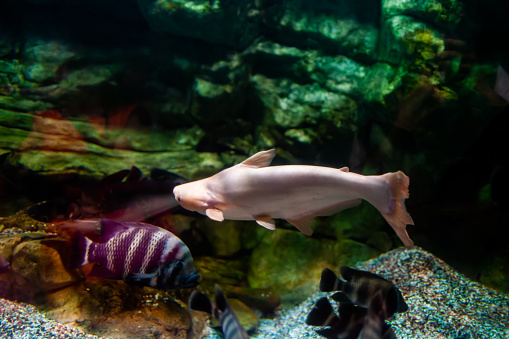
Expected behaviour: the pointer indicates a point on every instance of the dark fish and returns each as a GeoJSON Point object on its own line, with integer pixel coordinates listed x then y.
{"type": "Point", "coordinates": [375, 326]}
{"type": "Point", "coordinates": [222, 311]}
{"type": "Point", "coordinates": [353, 322]}
{"type": "Point", "coordinates": [348, 325]}
{"type": "Point", "coordinates": [129, 196]}
{"type": "Point", "coordinates": [126, 195]}
{"type": "Point", "coordinates": [360, 287]}
{"type": "Point", "coordinates": [138, 253]}
{"type": "Point", "coordinates": [5, 266]}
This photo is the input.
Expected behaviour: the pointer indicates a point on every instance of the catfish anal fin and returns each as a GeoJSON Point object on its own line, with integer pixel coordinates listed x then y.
{"type": "Point", "coordinates": [302, 223]}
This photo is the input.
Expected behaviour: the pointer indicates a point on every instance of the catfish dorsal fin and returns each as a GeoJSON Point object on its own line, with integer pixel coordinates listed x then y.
{"type": "Point", "coordinates": [260, 159]}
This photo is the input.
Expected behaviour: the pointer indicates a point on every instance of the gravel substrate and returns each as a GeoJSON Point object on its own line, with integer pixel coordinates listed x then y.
{"type": "Point", "coordinates": [20, 321]}
{"type": "Point", "coordinates": [442, 303]}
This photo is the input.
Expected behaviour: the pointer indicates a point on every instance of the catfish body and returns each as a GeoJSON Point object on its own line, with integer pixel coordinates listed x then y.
{"type": "Point", "coordinates": [253, 190]}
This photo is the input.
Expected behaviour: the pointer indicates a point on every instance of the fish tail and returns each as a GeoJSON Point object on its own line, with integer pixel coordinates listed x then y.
{"type": "Point", "coordinates": [80, 246]}
{"type": "Point", "coordinates": [330, 281]}
{"type": "Point", "coordinates": [200, 302]}
{"type": "Point", "coordinates": [398, 218]}
{"type": "Point", "coordinates": [322, 314]}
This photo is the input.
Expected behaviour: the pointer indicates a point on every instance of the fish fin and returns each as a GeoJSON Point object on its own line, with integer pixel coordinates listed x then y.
{"type": "Point", "coordinates": [101, 272]}
{"type": "Point", "coordinates": [158, 174]}
{"type": "Point", "coordinates": [221, 302]}
{"type": "Point", "coordinates": [377, 306]}
{"type": "Point", "coordinates": [109, 229]}
{"type": "Point", "coordinates": [327, 333]}
{"type": "Point", "coordinates": [142, 279]}
{"type": "Point", "coordinates": [302, 223]}
{"type": "Point", "coordinates": [395, 301]}
{"type": "Point", "coordinates": [199, 302]}
{"type": "Point", "coordinates": [79, 248]}
{"type": "Point", "coordinates": [344, 169]}
{"type": "Point", "coordinates": [329, 281]}
{"type": "Point", "coordinates": [260, 159]}
{"type": "Point", "coordinates": [348, 273]}
{"type": "Point", "coordinates": [322, 314]}
{"type": "Point", "coordinates": [502, 83]}
{"type": "Point", "coordinates": [340, 297]}
{"type": "Point", "coordinates": [115, 177]}
{"type": "Point", "coordinates": [134, 174]}
{"type": "Point", "coordinates": [266, 222]}
{"type": "Point", "coordinates": [214, 214]}
{"type": "Point", "coordinates": [399, 217]}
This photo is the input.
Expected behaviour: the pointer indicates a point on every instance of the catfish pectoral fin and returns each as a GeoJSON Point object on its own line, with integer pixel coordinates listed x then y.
{"type": "Point", "coordinates": [214, 214]}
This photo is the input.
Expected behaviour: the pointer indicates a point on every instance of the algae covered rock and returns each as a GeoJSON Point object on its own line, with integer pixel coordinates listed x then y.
{"type": "Point", "coordinates": [292, 262]}
{"type": "Point", "coordinates": [42, 59]}
{"type": "Point", "coordinates": [436, 11]}
{"type": "Point", "coordinates": [229, 237]}
{"type": "Point", "coordinates": [219, 22]}
{"type": "Point", "coordinates": [337, 27]}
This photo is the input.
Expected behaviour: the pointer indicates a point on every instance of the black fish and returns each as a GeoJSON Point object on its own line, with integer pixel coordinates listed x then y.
{"type": "Point", "coordinates": [353, 322]}
{"type": "Point", "coordinates": [138, 253]}
{"type": "Point", "coordinates": [126, 195]}
{"type": "Point", "coordinates": [348, 325]}
{"type": "Point", "coordinates": [222, 311]}
{"type": "Point", "coordinates": [375, 326]}
{"type": "Point", "coordinates": [360, 287]}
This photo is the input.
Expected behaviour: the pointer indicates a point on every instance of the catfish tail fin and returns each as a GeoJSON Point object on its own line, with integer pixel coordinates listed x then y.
{"type": "Point", "coordinates": [399, 217]}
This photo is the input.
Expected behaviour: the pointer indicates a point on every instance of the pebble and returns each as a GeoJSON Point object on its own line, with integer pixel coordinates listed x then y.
{"type": "Point", "coordinates": [22, 321]}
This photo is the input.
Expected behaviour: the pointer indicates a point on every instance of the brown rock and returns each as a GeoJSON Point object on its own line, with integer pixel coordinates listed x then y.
{"type": "Point", "coordinates": [41, 266]}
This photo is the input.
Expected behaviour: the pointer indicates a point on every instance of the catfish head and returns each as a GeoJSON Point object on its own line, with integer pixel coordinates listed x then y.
{"type": "Point", "coordinates": [194, 196]}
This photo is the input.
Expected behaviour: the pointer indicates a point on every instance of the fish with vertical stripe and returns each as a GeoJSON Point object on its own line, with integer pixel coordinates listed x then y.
{"type": "Point", "coordinates": [138, 253]}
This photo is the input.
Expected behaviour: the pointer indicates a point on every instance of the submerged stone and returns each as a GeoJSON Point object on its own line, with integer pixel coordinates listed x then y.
{"type": "Point", "coordinates": [341, 27]}
{"type": "Point", "coordinates": [291, 262]}
{"type": "Point", "coordinates": [41, 266]}
{"type": "Point", "coordinates": [217, 22]}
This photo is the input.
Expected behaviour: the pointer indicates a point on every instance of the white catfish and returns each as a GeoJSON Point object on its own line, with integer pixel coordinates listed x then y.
{"type": "Point", "coordinates": [253, 190]}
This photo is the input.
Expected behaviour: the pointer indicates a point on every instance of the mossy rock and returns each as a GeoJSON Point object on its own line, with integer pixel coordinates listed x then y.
{"type": "Point", "coordinates": [291, 262]}
{"type": "Point", "coordinates": [218, 22]}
